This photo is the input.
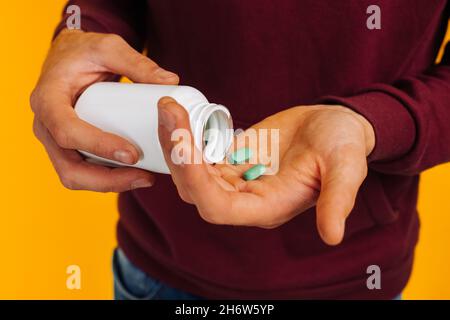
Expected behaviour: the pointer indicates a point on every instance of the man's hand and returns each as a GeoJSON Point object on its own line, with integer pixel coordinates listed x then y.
{"type": "Point", "coordinates": [323, 151]}
{"type": "Point", "coordinates": [75, 61]}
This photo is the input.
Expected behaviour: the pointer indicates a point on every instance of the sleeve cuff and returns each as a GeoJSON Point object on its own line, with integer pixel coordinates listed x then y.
{"type": "Point", "coordinates": [394, 126]}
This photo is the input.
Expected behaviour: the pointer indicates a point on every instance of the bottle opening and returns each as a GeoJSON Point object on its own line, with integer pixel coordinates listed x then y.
{"type": "Point", "coordinates": [212, 127]}
{"type": "Point", "coordinates": [217, 135]}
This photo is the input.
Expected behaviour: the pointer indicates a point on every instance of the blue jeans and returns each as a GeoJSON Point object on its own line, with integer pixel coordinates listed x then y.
{"type": "Point", "coordinates": [131, 283]}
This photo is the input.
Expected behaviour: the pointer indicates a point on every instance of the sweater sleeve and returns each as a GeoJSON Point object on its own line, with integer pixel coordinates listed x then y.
{"type": "Point", "coordinates": [411, 120]}
{"type": "Point", "coordinates": [122, 17]}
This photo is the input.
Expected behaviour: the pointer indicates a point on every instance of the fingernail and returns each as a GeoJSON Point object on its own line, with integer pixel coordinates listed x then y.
{"type": "Point", "coordinates": [124, 156]}
{"type": "Point", "coordinates": [164, 74]}
{"type": "Point", "coordinates": [166, 119]}
{"type": "Point", "coordinates": [141, 183]}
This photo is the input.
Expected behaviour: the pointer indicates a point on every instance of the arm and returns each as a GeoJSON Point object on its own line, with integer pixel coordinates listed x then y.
{"type": "Point", "coordinates": [411, 120]}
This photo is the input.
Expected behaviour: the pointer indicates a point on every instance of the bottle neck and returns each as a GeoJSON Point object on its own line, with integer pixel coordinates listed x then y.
{"type": "Point", "coordinates": [212, 128]}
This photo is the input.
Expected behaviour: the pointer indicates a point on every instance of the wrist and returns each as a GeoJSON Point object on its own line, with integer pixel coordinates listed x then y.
{"type": "Point", "coordinates": [368, 130]}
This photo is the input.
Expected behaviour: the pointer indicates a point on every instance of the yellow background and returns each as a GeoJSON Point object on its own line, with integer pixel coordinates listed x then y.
{"type": "Point", "coordinates": [44, 228]}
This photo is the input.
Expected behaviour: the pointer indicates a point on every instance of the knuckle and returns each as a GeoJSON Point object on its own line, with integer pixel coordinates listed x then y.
{"type": "Point", "coordinates": [269, 226]}
{"type": "Point", "coordinates": [35, 127]}
{"type": "Point", "coordinates": [37, 130]}
{"type": "Point", "coordinates": [145, 62]}
{"type": "Point", "coordinates": [115, 185]}
{"type": "Point", "coordinates": [61, 136]}
{"type": "Point", "coordinates": [271, 223]}
{"type": "Point", "coordinates": [185, 197]}
{"type": "Point", "coordinates": [68, 181]}
{"type": "Point", "coordinates": [98, 148]}
{"type": "Point", "coordinates": [108, 41]}
{"type": "Point", "coordinates": [34, 101]}
{"type": "Point", "coordinates": [209, 217]}
{"type": "Point", "coordinates": [365, 171]}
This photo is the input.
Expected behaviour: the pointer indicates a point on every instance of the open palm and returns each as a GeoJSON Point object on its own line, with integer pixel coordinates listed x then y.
{"type": "Point", "coordinates": [322, 161]}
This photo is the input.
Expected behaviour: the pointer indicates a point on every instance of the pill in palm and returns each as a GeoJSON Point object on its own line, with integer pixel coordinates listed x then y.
{"type": "Point", "coordinates": [240, 156]}
{"type": "Point", "coordinates": [254, 172]}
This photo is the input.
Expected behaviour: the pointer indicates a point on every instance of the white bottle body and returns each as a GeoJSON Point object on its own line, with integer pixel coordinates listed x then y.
{"type": "Point", "coordinates": [130, 111]}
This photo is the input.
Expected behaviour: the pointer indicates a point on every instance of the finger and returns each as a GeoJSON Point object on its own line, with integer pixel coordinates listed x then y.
{"type": "Point", "coordinates": [215, 202]}
{"type": "Point", "coordinates": [232, 175]}
{"type": "Point", "coordinates": [93, 177]}
{"type": "Point", "coordinates": [213, 170]}
{"type": "Point", "coordinates": [77, 174]}
{"type": "Point", "coordinates": [70, 132]}
{"type": "Point", "coordinates": [192, 178]}
{"type": "Point", "coordinates": [339, 186]}
{"type": "Point", "coordinates": [119, 57]}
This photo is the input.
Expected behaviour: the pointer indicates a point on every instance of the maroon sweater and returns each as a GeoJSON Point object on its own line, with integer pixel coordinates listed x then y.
{"type": "Point", "coordinates": [258, 57]}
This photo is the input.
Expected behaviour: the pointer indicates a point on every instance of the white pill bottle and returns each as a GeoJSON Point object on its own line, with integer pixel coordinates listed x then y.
{"type": "Point", "coordinates": [130, 111]}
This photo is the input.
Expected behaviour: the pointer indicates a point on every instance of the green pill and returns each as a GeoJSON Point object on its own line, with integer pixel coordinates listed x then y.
{"type": "Point", "coordinates": [240, 156]}
{"type": "Point", "coordinates": [254, 172]}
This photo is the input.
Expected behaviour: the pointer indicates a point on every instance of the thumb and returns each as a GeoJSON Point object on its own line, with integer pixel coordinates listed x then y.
{"type": "Point", "coordinates": [339, 187]}
{"type": "Point", "coordinates": [182, 157]}
{"type": "Point", "coordinates": [172, 116]}
{"type": "Point", "coordinates": [190, 175]}
{"type": "Point", "coordinates": [120, 58]}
